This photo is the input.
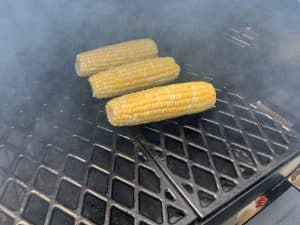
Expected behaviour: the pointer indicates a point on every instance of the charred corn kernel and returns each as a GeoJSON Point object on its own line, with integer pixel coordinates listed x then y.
{"type": "Point", "coordinates": [133, 76]}
{"type": "Point", "coordinates": [91, 62]}
{"type": "Point", "coordinates": [161, 103]}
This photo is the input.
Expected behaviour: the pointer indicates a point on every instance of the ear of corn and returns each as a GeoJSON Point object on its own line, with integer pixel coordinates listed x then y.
{"type": "Point", "coordinates": [134, 76]}
{"type": "Point", "coordinates": [161, 103]}
{"type": "Point", "coordinates": [91, 62]}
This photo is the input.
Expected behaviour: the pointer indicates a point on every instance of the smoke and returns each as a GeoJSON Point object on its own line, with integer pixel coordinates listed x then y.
{"type": "Point", "coordinates": [39, 40]}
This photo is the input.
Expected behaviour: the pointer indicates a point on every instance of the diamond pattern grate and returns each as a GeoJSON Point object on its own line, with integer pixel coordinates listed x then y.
{"type": "Point", "coordinates": [61, 162]}
{"type": "Point", "coordinates": [215, 155]}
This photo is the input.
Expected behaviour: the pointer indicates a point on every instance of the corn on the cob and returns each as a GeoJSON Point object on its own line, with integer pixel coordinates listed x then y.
{"type": "Point", "coordinates": [160, 103]}
{"type": "Point", "coordinates": [134, 76]}
{"type": "Point", "coordinates": [91, 62]}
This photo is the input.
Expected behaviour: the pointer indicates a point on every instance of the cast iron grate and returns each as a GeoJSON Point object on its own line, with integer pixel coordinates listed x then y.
{"type": "Point", "coordinates": [215, 155]}
{"type": "Point", "coordinates": [62, 163]}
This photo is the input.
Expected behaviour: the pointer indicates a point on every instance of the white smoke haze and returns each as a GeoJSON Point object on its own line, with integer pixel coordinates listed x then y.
{"type": "Point", "coordinates": [39, 40]}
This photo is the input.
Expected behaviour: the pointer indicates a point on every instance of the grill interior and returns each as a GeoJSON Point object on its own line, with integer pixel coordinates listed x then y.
{"type": "Point", "coordinates": [63, 163]}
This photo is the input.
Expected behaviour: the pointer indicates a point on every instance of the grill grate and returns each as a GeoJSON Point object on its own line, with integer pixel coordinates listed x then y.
{"type": "Point", "coordinates": [215, 155]}
{"type": "Point", "coordinates": [67, 165]}
{"type": "Point", "coordinates": [61, 162]}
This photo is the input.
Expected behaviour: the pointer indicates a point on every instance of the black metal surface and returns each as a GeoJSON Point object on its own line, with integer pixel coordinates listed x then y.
{"type": "Point", "coordinates": [67, 165]}
{"type": "Point", "coordinates": [288, 203]}
{"type": "Point", "coordinates": [216, 155]}
{"type": "Point", "coordinates": [62, 162]}
{"type": "Point", "coordinates": [50, 127]}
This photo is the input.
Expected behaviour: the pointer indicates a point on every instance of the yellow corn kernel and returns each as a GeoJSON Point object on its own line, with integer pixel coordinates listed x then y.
{"type": "Point", "coordinates": [134, 76]}
{"type": "Point", "coordinates": [91, 62]}
{"type": "Point", "coordinates": [161, 103]}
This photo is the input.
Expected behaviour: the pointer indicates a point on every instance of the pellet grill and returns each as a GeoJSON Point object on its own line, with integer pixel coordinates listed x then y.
{"type": "Point", "coordinates": [61, 162]}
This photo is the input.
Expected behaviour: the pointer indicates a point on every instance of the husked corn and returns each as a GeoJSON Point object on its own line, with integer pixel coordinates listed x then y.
{"type": "Point", "coordinates": [91, 62]}
{"type": "Point", "coordinates": [134, 76]}
{"type": "Point", "coordinates": [160, 103]}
